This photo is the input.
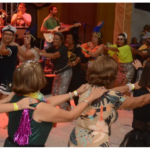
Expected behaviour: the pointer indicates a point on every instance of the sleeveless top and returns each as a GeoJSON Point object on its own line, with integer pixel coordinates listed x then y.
{"type": "Point", "coordinates": [40, 131]}
{"type": "Point", "coordinates": [93, 125]}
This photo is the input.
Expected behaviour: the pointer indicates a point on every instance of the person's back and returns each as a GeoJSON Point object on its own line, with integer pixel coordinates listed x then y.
{"type": "Point", "coordinates": [40, 131]}
{"type": "Point", "coordinates": [93, 127]}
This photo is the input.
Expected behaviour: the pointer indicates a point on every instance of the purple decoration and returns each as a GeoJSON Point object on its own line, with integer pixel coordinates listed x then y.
{"type": "Point", "coordinates": [24, 129]}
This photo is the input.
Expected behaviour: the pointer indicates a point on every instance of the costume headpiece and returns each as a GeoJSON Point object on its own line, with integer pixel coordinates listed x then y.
{"type": "Point", "coordinates": [121, 36]}
{"type": "Point", "coordinates": [31, 31]}
{"type": "Point", "coordinates": [97, 29]}
{"type": "Point", "coordinates": [9, 28]}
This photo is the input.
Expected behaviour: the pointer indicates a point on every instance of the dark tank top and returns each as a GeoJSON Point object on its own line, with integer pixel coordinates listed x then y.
{"type": "Point", "coordinates": [141, 115]}
{"type": "Point", "coordinates": [40, 131]}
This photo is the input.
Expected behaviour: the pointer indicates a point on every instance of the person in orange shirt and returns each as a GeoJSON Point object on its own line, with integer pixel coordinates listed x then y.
{"type": "Point", "coordinates": [92, 49]}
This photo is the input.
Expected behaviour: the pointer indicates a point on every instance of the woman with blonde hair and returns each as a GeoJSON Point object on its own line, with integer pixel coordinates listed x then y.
{"type": "Point", "coordinates": [8, 59]}
{"type": "Point", "coordinates": [93, 126]}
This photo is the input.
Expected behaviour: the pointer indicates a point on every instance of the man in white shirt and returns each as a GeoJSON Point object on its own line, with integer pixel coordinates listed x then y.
{"type": "Point", "coordinates": [21, 19]}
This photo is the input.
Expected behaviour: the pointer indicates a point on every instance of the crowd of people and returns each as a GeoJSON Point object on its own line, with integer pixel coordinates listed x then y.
{"type": "Point", "coordinates": [108, 84]}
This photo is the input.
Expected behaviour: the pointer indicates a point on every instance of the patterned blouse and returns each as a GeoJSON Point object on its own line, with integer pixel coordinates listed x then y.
{"type": "Point", "coordinates": [93, 126]}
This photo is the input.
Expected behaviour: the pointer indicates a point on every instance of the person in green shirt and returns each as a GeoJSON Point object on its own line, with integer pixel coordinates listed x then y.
{"type": "Point", "coordinates": [49, 23]}
{"type": "Point", "coordinates": [125, 59]}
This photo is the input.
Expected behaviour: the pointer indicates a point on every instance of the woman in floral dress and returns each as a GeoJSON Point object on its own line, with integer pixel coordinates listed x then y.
{"type": "Point", "coordinates": [93, 127]}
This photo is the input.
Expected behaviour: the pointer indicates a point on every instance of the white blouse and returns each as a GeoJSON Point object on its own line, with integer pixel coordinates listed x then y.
{"type": "Point", "coordinates": [36, 55]}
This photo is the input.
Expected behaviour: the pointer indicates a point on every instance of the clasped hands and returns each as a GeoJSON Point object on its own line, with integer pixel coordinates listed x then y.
{"type": "Point", "coordinates": [20, 15]}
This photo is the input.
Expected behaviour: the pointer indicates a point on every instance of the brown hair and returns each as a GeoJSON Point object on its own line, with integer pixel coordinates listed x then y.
{"type": "Point", "coordinates": [23, 4]}
{"type": "Point", "coordinates": [145, 78]}
{"type": "Point", "coordinates": [51, 8]}
{"type": "Point", "coordinates": [102, 71]}
{"type": "Point", "coordinates": [125, 40]}
{"type": "Point", "coordinates": [28, 78]}
{"type": "Point", "coordinates": [100, 41]}
{"type": "Point", "coordinates": [61, 37]}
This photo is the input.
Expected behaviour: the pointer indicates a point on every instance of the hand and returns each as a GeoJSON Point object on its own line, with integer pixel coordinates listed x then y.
{"type": "Point", "coordinates": [53, 31]}
{"type": "Point", "coordinates": [19, 15]}
{"type": "Point", "coordinates": [25, 103]}
{"type": "Point", "coordinates": [89, 43]}
{"type": "Point", "coordinates": [137, 85]}
{"type": "Point", "coordinates": [105, 47]}
{"type": "Point", "coordinates": [137, 64]}
{"type": "Point", "coordinates": [70, 64]}
{"type": "Point", "coordinates": [148, 89]}
{"type": "Point", "coordinates": [79, 46]}
{"type": "Point", "coordinates": [2, 47]}
{"type": "Point", "coordinates": [97, 92]}
{"type": "Point", "coordinates": [83, 88]}
{"type": "Point", "coordinates": [37, 50]}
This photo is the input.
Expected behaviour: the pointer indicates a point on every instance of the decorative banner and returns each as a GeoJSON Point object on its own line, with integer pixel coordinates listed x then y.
{"type": "Point", "coordinates": [123, 16]}
{"type": "Point", "coordinates": [41, 4]}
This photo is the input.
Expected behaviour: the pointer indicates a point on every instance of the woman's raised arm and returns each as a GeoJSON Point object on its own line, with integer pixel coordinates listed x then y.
{"type": "Point", "coordinates": [52, 114]}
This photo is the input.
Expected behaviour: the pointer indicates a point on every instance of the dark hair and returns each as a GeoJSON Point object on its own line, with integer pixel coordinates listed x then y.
{"type": "Point", "coordinates": [125, 40]}
{"type": "Point", "coordinates": [51, 8]}
{"type": "Point", "coordinates": [132, 39]}
{"type": "Point", "coordinates": [102, 71]}
{"type": "Point", "coordinates": [61, 36]}
{"type": "Point", "coordinates": [32, 42]}
{"type": "Point", "coordinates": [28, 78]}
{"type": "Point", "coordinates": [100, 39]}
{"type": "Point", "coordinates": [146, 27]}
{"type": "Point", "coordinates": [23, 4]}
{"type": "Point", "coordinates": [145, 78]}
{"type": "Point", "coordinates": [74, 36]}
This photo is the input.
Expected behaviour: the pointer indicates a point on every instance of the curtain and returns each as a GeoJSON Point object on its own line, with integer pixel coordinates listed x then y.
{"type": "Point", "coordinates": [106, 13]}
{"type": "Point", "coordinates": [123, 16]}
{"type": "Point", "coordinates": [80, 12]}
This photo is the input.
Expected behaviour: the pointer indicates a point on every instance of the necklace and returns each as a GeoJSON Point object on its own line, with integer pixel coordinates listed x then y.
{"type": "Point", "coordinates": [37, 95]}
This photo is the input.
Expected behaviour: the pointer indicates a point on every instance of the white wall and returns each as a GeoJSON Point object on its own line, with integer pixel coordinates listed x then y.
{"type": "Point", "coordinates": [139, 19]}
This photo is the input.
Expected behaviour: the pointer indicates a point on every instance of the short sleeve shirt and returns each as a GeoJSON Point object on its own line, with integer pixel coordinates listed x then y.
{"type": "Point", "coordinates": [124, 54]}
{"type": "Point", "coordinates": [62, 61]}
{"type": "Point", "coordinates": [77, 52]}
{"type": "Point", "coordinates": [22, 23]}
{"type": "Point", "coordinates": [51, 23]}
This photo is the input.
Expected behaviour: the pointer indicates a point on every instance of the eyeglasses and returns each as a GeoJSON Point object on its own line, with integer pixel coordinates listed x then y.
{"type": "Point", "coordinates": [8, 34]}
{"type": "Point", "coordinates": [119, 39]}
